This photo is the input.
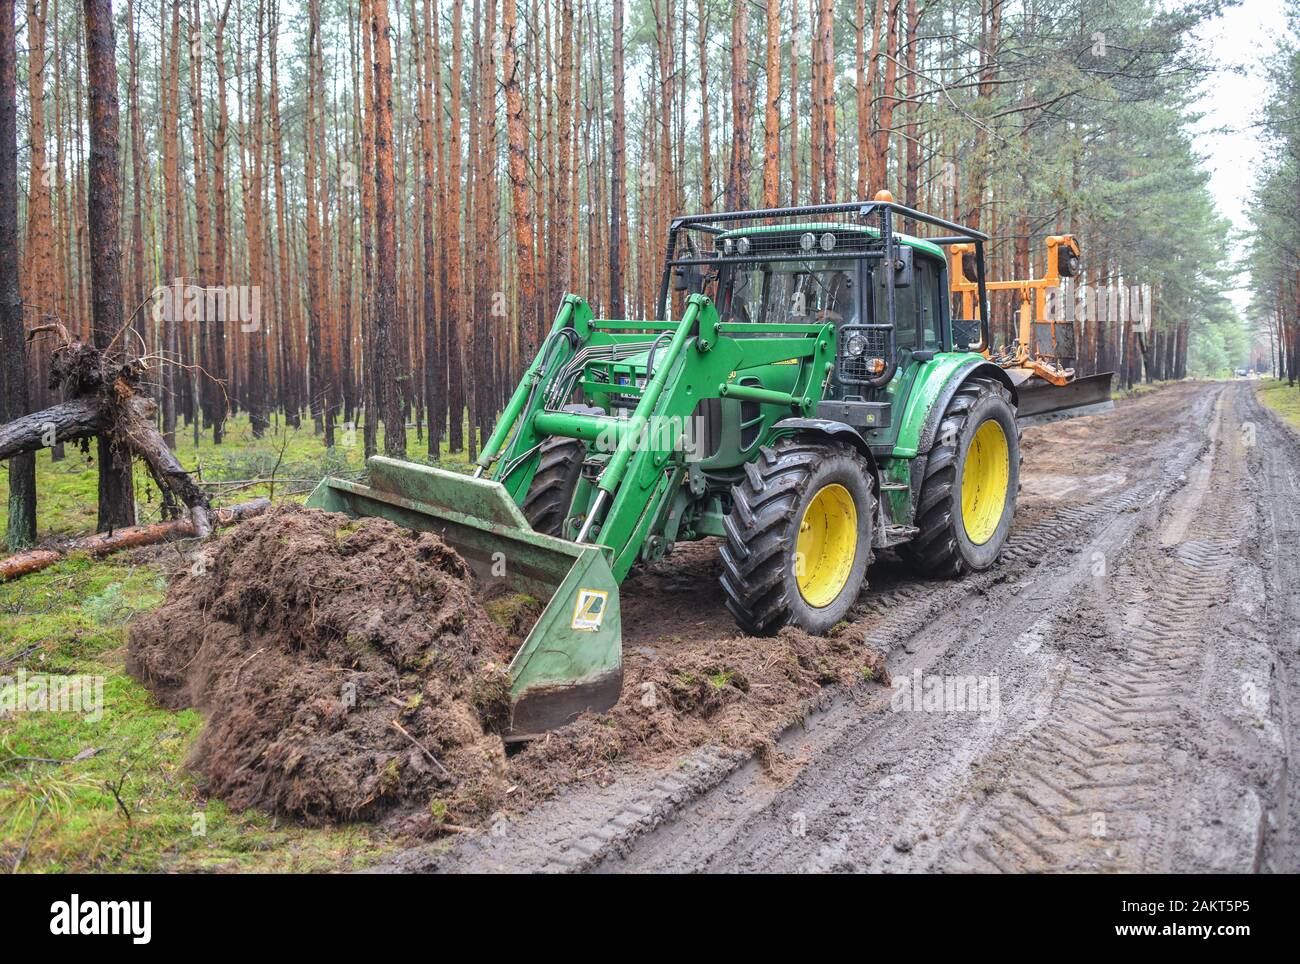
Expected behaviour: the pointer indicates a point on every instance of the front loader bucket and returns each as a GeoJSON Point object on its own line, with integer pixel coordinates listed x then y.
{"type": "Point", "coordinates": [571, 661]}
{"type": "Point", "coordinates": [1041, 401]}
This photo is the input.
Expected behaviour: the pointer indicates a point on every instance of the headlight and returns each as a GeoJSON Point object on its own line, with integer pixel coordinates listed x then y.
{"type": "Point", "coordinates": [828, 241]}
{"type": "Point", "coordinates": [742, 246]}
{"type": "Point", "coordinates": [855, 344]}
{"type": "Point", "coordinates": [727, 246]}
{"type": "Point", "coordinates": [807, 241]}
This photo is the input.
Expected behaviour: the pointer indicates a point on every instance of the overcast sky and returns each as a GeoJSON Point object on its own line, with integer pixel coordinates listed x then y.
{"type": "Point", "coordinates": [1240, 40]}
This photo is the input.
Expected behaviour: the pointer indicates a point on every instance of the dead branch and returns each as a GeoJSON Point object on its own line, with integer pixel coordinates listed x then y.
{"type": "Point", "coordinates": [34, 560]}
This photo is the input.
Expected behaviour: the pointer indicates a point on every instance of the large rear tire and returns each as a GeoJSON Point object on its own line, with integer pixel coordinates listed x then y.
{"type": "Point", "coordinates": [972, 476]}
{"type": "Point", "coordinates": [798, 537]}
{"type": "Point", "coordinates": [559, 466]}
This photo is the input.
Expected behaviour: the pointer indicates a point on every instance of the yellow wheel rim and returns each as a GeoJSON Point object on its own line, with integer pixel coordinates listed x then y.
{"type": "Point", "coordinates": [984, 479]}
{"type": "Point", "coordinates": [827, 545]}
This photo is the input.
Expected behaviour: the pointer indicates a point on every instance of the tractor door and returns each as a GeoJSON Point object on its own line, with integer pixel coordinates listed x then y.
{"type": "Point", "coordinates": [920, 323]}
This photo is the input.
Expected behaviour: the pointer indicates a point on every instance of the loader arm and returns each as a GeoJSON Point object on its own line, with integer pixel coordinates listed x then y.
{"type": "Point", "coordinates": [642, 459]}
{"type": "Point", "coordinates": [656, 371]}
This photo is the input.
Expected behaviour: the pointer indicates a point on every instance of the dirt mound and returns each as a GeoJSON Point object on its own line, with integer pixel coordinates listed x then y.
{"type": "Point", "coordinates": [344, 667]}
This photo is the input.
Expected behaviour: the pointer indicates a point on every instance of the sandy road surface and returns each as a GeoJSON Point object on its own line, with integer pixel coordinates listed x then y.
{"type": "Point", "coordinates": [1121, 693]}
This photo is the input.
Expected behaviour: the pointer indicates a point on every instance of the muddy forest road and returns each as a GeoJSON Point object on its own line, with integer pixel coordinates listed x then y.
{"type": "Point", "coordinates": [1137, 652]}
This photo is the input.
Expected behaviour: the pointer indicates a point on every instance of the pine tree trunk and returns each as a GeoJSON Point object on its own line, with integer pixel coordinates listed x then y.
{"type": "Point", "coordinates": [384, 366]}
{"type": "Point", "coordinates": [794, 102]}
{"type": "Point", "coordinates": [173, 237]}
{"type": "Point", "coordinates": [287, 355]}
{"type": "Point", "coordinates": [738, 171]}
{"type": "Point", "coordinates": [116, 496]}
{"type": "Point", "coordinates": [826, 28]}
{"type": "Point", "coordinates": [772, 109]}
{"type": "Point", "coordinates": [217, 340]}
{"type": "Point", "coordinates": [912, 149]}
{"type": "Point", "coordinates": [252, 329]}
{"type": "Point", "coordinates": [451, 330]}
{"type": "Point", "coordinates": [875, 173]}
{"type": "Point", "coordinates": [888, 96]}
{"type": "Point", "coordinates": [13, 376]}
{"type": "Point", "coordinates": [430, 210]}
{"type": "Point", "coordinates": [318, 384]}
{"type": "Point", "coordinates": [863, 96]}
{"type": "Point", "coordinates": [517, 135]}
{"type": "Point", "coordinates": [618, 173]}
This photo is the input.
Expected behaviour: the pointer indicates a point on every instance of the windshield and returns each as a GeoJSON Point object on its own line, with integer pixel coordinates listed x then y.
{"type": "Point", "coordinates": [792, 292]}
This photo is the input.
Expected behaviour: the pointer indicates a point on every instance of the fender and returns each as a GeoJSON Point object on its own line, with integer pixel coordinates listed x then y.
{"type": "Point", "coordinates": [949, 378]}
{"type": "Point", "coordinates": [830, 429]}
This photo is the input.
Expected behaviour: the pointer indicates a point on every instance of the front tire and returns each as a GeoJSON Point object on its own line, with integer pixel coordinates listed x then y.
{"type": "Point", "coordinates": [798, 538]}
{"type": "Point", "coordinates": [559, 466]}
{"type": "Point", "coordinates": [972, 475]}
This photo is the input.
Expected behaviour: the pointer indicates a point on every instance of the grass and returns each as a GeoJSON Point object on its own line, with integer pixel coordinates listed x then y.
{"type": "Point", "coordinates": [1138, 388]}
{"type": "Point", "coordinates": [1282, 398]}
{"type": "Point", "coordinates": [109, 791]}
{"type": "Point", "coordinates": [117, 796]}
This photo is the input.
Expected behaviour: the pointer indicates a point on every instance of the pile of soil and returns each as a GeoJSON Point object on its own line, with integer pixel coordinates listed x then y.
{"type": "Point", "coordinates": [348, 669]}
{"type": "Point", "coordinates": [345, 669]}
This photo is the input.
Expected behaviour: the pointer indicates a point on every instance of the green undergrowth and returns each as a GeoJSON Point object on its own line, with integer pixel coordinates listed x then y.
{"type": "Point", "coordinates": [1282, 398]}
{"type": "Point", "coordinates": [101, 785]}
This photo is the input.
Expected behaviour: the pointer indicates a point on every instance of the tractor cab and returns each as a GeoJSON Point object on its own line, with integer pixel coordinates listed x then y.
{"type": "Point", "coordinates": [847, 291]}
{"type": "Point", "coordinates": [883, 294]}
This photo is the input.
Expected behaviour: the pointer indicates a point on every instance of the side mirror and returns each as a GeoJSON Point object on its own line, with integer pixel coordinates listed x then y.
{"type": "Point", "coordinates": [1068, 264]}
{"type": "Point", "coordinates": [970, 267]}
{"type": "Point", "coordinates": [902, 268]}
{"type": "Point", "coordinates": [688, 277]}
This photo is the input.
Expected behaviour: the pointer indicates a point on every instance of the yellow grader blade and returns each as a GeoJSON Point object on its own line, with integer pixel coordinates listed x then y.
{"type": "Point", "coordinates": [1041, 401]}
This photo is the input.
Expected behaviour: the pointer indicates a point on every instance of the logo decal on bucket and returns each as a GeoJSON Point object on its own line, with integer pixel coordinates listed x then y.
{"type": "Point", "coordinates": [589, 611]}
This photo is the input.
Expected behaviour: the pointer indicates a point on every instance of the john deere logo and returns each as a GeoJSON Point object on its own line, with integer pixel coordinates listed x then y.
{"type": "Point", "coordinates": [589, 610]}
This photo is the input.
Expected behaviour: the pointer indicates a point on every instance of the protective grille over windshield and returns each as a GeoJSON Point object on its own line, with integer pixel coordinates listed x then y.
{"type": "Point", "coordinates": [792, 292]}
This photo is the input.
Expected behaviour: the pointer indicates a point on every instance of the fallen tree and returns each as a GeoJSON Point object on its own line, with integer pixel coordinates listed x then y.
{"type": "Point", "coordinates": [104, 543]}
{"type": "Point", "coordinates": [102, 397]}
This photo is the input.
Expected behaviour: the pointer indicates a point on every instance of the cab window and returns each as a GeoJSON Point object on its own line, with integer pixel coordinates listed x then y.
{"type": "Point", "coordinates": [905, 328]}
{"type": "Point", "coordinates": [927, 278]}
{"type": "Point", "coordinates": [792, 292]}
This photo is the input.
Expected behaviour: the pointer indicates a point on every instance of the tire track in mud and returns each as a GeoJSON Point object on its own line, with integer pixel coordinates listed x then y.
{"type": "Point", "coordinates": [867, 798]}
{"type": "Point", "coordinates": [1092, 786]}
{"type": "Point", "coordinates": [585, 826]}
{"type": "Point", "coordinates": [1085, 735]}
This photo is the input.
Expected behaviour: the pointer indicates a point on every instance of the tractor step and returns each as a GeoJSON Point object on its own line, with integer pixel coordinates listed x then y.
{"type": "Point", "coordinates": [897, 535]}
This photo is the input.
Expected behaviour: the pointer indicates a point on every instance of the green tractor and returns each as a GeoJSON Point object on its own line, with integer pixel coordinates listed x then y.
{"type": "Point", "coordinates": [808, 401]}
